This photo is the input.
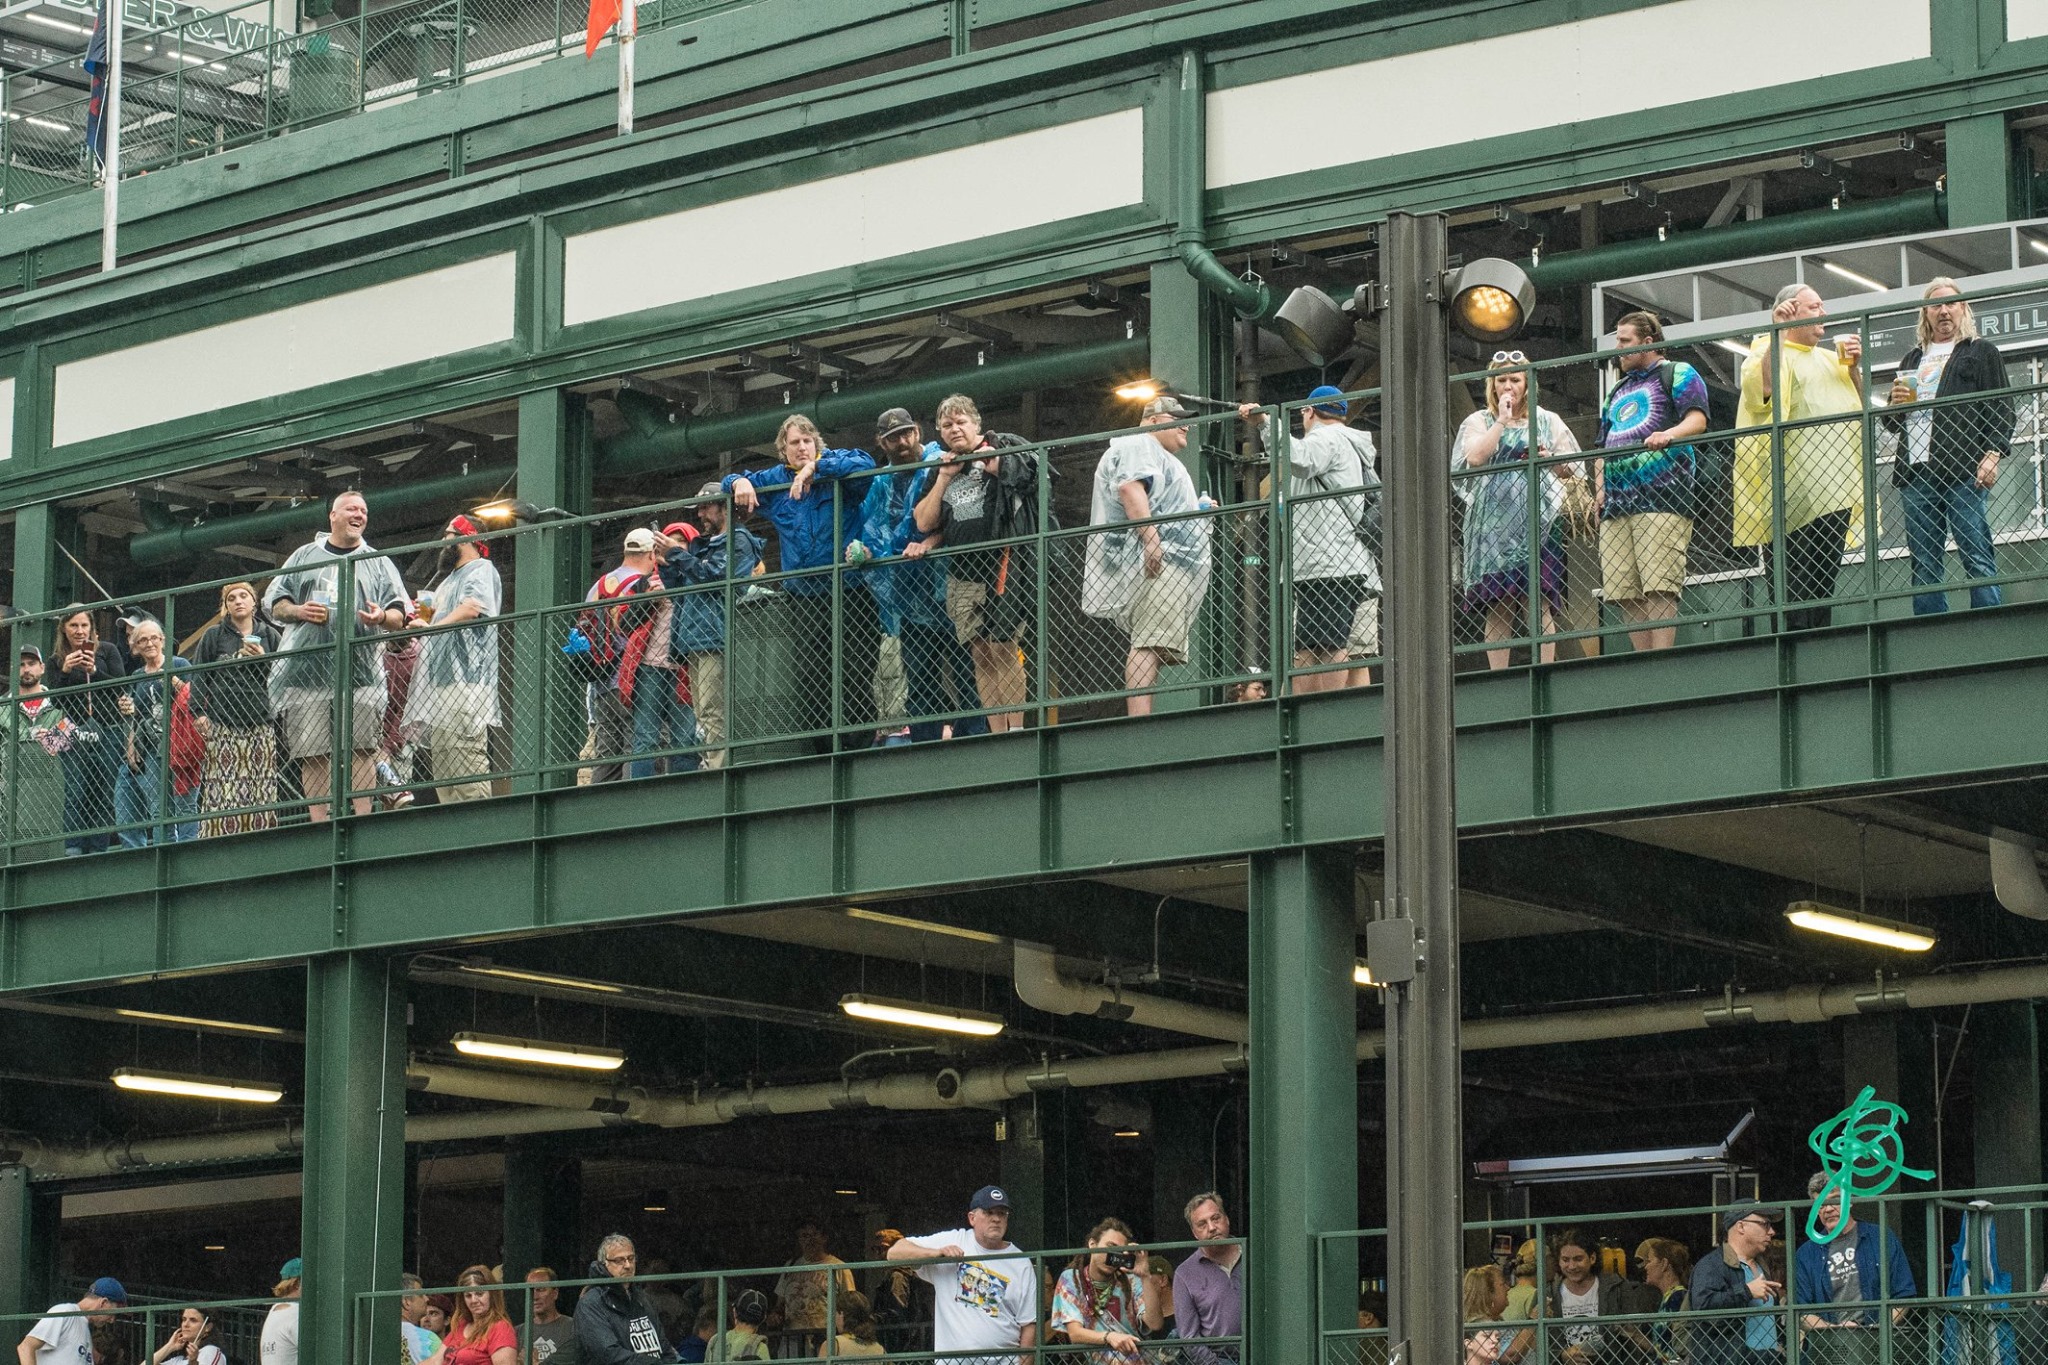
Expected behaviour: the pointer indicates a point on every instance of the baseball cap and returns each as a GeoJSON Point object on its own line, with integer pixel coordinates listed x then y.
{"type": "Point", "coordinates": [639, 541]}
{"type": "Point", "coordinates": [293, 1269]}
{"type": "Point", "coordinates": [893, 421]}
{"type": "Point", "coordinates": [108, 1288]}
{"type": "Point", "coordinates": [712, 488]}
{"type": "Point", "coordinates": [990, 1197]}
{"type": "Point", "coordinates": [1336, 406]}
{"type": "Point", "coordinates": [1742, 1211]}
{"type": "Point", "coordinates": [27, 650]}
{"type": "Point", "coordinates": [751, 1307]}
{"type": "Point", "coordinates": [1168, 404]}
{"type": "Point", "coordinates": [679, 530]}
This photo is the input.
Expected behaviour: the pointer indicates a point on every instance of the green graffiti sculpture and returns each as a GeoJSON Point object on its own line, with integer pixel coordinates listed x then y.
{"type": "Point", "coordinates": [1860, 1152]}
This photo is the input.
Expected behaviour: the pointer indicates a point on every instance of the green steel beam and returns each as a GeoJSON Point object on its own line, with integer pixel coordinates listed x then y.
{"type": "Point", "coordinates": [28, 1242]}
{"type": "Point", "coordinates": [554, 471]}
{"type": "Point", "coordinates": [353, 1209]}
{"type": "Point", "coordinates": [1875, 707]}
{"type": "Point", "coordinates": [1981, 182]}
{"type": "Point", "coordinates": [1304, 1101]}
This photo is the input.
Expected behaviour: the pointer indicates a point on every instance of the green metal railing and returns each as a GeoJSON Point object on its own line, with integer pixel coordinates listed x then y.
{"type": "Point", "coordinates": [1921, 1322]}
{"type": "Point", "coordinates": [1066, 624]}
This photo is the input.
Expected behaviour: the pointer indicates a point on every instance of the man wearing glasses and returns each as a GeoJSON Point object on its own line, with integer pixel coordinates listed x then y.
{"type": "Point", "coordinates": [1734, 1277]}
{"type": "Point", "coordinates": [616, 1323]}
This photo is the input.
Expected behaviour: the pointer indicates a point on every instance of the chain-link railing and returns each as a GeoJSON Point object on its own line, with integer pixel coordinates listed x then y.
{"type": "Point", "coordinates": [1907, 1278]}
{"type": "Point", "coordinates": [199, 1327]}
{"type": "Point", "coordinates": [1110, 1304]}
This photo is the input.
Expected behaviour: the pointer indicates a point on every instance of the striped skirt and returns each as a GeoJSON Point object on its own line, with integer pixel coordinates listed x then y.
{"type": "Point", "coordinates": [240, 770]}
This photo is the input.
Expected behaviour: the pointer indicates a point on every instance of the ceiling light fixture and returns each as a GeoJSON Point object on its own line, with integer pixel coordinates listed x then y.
{"type": "Point", "coordinates": [938, 1017]}
{"type": "Point", "coordinates": [1864, 928]}
{"type": "Point", "coordinates": [654, 1201]}
{"type": "Point", "coordinates": [64, 24]}
{"type": "Point", "coordinates": [1145, 390]}
{"type": "Point", "coordinates": [578, 1056]}
{"type": "Point", "coordinates": [197, 1087]}
{"type": "Point", "coordinates": [848, 1192]}
{"type": "Point", "coordinates": [2039, 246]}
{"type": "Point", "coordinates": [214, 1246]}
{"type": "Point", "coordinates": [1843, 272]}
{"type": "Point", "coordinates": [921, 926]}
{"type": "Point", "coordinates": [1129, 1133]}
{"type": "Point", "coordinates": [212, 1025]}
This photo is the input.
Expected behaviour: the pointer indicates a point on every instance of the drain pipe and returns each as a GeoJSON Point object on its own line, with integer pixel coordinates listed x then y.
{"type": "Point", "coordinates": [1040, 985]}
{"type": "Point", "coordinates": [1249, 298]}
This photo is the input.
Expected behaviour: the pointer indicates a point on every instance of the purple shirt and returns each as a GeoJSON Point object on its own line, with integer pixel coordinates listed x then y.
{"type": "Point", "coordinates": [1208, 1301]}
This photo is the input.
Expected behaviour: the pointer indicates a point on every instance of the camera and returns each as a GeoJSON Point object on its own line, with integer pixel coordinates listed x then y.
{"type": "Point", "coordinates": [1123, 1258]}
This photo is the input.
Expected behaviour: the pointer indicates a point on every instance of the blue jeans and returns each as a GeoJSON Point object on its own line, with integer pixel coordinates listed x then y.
{"type": "Point", "coordinates": [89, 795]}
{"type": "Point", "coordinates": [135, 805]}
{"type": "Point", "coordinates": [929, 654]}
{"type": "Point", "coordinates": [1935, 512]}
{"type": "Point", "coordinates": [655, 704]}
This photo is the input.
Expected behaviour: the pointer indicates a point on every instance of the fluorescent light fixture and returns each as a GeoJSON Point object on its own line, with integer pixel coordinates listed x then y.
{"type": "Point", "coordinates": [1361, 975]}
{"type": "Point", "coordinates": [579, 1056]}
{"type": "Point", "coordinates": [1733, 347]}
{"type": "Point", "coordinates": [942, 1018]}
{"type": "Point", "coordinates": [193, 1021]}
{"type": "Point", "coordinates": [1885, 933]}
{"type": "Point", "coordinates": [64, 24]}
{"type": "Point", "coordinates": [198, 1087]}
{"type": "Point", "coordinates": [214, 1246]}
{"type": "Point", "coordinates": [572, 983]}
{"type": "Point", "coordinates": [1129, 1133]}
{"type": "Point", "coordinates": [921, 926]}
{"type": "Point", "coordinates": [847, 1191]}
{"type": "Point", "coordinates": [1844, 272]}
{"type": "Point", "coordinates": [1143, 391]}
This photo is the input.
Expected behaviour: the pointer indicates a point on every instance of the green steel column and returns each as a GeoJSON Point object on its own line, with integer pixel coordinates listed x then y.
{"type": "Point", "coordinates": [28, 1237]}
{"type": "Point", "coordinates": [1304, 1103]}
{"type": "Point", "coordinates": [42, 576]}
{"type": "Point", "coordinates": [543, 1202]}
{"type": "Point", "coordinates": [1980, 171]}
{"type": "Point", "coordinates": [1183, 1120]}
{"type": "Point", "coordinates": [1021, 1161]}
{"type": "Point", "coordinates": [525, 1180]}
{"type": "Point", "coordinates": [354, 1202]}
{"type": "Point", "coordinates": [554, 471]}
{"type": "Point", "coordinates": [2005, 1042]}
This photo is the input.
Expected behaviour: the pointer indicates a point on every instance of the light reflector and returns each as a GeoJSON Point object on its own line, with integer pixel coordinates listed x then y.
{"type": "Point", "coordinates": [1885, 933]}
{"type": "Point", "coordinates": [941, 1018]}
{"type": "Point", "coordinates": [197, 1087]}
{"type": "Point", "coordinates": [578, 1056]}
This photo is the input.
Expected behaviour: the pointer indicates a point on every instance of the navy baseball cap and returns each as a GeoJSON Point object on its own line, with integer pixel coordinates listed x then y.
{"type": "Point", "coordinates": [108, 1288]}
{"type": "Point", "coordinates": [990, 1198]}
{"type": "Point", "coordinates": [1742, 1211]}
{"type": "Point", "coordinates": [1336, 406]}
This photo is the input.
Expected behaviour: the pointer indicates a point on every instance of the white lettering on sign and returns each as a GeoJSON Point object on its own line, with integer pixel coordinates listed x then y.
{"type": "Point", "coordinates": [645, 1340]}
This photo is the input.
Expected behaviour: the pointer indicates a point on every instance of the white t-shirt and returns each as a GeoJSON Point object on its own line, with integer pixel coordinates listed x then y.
{"type": "Point", "coordinates": [1586, 1305]}
{"type": "Point", "coordinates": [66, 1341]}
{"type": "Point", "coordinates": [281, 1335]}
{"type": "Point", "coordinates": [208, 1355]}
{"type": "Point", "coordinates": [981, 1304]}
{"type": "Point", "coordinates": [1920, 425]}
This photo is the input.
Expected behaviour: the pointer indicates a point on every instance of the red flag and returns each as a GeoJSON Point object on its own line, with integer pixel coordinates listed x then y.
{"type": "Point", "coordinates": [603, 15]}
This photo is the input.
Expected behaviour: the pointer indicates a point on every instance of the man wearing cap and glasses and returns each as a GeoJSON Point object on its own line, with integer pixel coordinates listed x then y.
{"type": "Point", "coordinates": [719, 551]}
{"type": "Point", "coordinates": [988, 1303]}
{"type": "Point", "coordinates": [1733, 1277]}
{"type": "Point", "coordinates": [1151, 579]}
{"type": "Point", "coordinates": [64, 1336]}
{"type": "Point", "coordinates": [1332, 478]}
{"type": "Point", "coordinates": [454, 695]}
{"type": "Point", "coordinates": [936, 670]}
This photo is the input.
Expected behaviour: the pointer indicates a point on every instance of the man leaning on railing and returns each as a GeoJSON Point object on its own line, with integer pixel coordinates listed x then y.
{"type": "Point", "coordinates": [1862, 1264]}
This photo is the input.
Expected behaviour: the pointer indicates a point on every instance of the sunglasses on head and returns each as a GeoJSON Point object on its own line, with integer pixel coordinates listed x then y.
{"type": "Point", "coordinates": [1509, 358]}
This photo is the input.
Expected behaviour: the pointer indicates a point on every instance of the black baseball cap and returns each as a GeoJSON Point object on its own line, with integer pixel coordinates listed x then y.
{"type": "Point", "coordinates": [1742, 1211]}
{"type": "Point", "coordinates": [26, 650]}
{"type": "Point", "coordinates": [990, 1198]}
{"type": "Point", "coordinates": [893, 421]}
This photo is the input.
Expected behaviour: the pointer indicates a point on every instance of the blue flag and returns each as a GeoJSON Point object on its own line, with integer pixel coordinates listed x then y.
{"type": "Point", "coordinates": [95, 107]}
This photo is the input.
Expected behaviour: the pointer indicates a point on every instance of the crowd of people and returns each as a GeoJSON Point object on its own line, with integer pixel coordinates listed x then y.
{"type": "Point", "coordinates": [130, 743]}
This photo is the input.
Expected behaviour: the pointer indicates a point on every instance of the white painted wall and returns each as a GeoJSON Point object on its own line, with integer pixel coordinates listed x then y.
{"type": "Point", "coordinates": [1579, 72]}
{"type": "Point", "coordinates": [7, 418]}
{"type": "Point", "coordinates": [384, 327]}
{"type": "Point", "coordinates": [2025, 19]}
{"type": "Point", "coordinates": [1040, 177]}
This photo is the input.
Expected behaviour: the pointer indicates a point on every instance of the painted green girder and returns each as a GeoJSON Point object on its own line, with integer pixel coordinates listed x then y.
{"type": "Point", "coordinates": [531, 195]}
{"type": "Point", "coordinates": [1892, 703]}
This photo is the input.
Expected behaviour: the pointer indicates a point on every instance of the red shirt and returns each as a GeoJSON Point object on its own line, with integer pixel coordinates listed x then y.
{"type": "Point", "coordinates": [499, 1336]}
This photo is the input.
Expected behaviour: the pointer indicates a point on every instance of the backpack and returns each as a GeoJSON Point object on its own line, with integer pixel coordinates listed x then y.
{"type": "Point", "coordinates": [597, 642]}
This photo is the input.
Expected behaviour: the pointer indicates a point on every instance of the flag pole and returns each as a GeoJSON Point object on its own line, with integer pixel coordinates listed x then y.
{"type": "Point", "coordinates": [111, 166]}
{"type": "Point", "coordinates": [629, 26]}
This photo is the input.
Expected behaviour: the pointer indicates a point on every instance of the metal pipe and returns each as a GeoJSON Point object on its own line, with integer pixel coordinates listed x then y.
{"type": "Point", "coordinates": [1040, 985]}
{"type": "Point", "coordinates": [164, 546]}
{"type": "Point", "coordinates": [1919, 211]}
{"type": "Point", "coordinates": [1250, 298]}
{"type": "Point", "coordinates": [552, 1105]}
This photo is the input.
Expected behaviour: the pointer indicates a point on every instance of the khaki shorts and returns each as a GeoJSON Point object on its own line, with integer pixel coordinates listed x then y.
{"type": "Point", "coordinates": [1162, 614]}
{"type": "Point", "coordinates": [1365, 629]}
{"type": "Point", "coordinates": [309, 722]}
{"type": "Point", "coordinates": [1644, 554]}
{"type": "Point", "coordinates": [965, 600]}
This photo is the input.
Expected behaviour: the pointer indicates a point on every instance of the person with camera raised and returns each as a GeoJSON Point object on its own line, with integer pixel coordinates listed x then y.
{"type": "Point", "coordinates": [1102, 1299]}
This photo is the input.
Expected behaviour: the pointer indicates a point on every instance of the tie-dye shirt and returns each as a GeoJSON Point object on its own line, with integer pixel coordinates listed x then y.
{"type": "Point", "coordinates": [1651, 480]}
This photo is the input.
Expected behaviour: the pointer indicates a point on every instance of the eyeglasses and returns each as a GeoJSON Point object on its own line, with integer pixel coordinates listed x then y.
{"type": "Point", "coordinates": [621, 1260]}
{"type": "Point", "coordinates": [1510, 358]}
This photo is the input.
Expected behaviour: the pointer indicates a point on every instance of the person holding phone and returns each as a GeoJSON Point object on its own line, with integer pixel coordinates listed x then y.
{"type": "Point", "coordinates": [191, 1343]}
{"type": "Point", "coordinates": [1110, 1296]}
{"type": "Point", "coordinates": [94, 726]}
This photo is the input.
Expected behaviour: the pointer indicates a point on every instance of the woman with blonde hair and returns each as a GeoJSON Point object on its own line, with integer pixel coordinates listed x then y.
{"type": "Point", "coordinates": [1486, 1298]}
{"type": "Point", "coordinates": [481, 1334]}
{"type": "Point", "coordinates": [1497, 550]}
{"type": "Point", "coordinates": [231, 706]}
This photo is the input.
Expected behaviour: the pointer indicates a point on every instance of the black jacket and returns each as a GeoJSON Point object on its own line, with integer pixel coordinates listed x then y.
{"type": "Point", "coordinates": [1962, 431]}
{"type": "Point", "coordinates": [234, 695]}
{"type": "Point", "coordinates": [1717, 1283]}
{"type": "Point", "coordinates": [617, 1325]}
{"type": "Point", "coordinates": [96, 709]}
